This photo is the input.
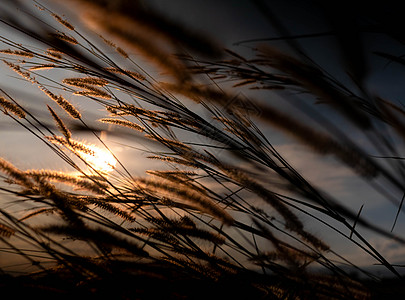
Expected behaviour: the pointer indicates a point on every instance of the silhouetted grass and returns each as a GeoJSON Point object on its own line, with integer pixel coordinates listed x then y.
{"type": "Point", "coordinates": [223, 217]}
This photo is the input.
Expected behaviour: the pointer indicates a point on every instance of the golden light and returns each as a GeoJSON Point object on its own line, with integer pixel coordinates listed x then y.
{"type": "Point", "coordinates": [99, 159]}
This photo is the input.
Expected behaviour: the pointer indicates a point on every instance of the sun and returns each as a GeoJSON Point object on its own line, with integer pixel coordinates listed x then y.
{"type": "Point", "coordinates": [99, 159]}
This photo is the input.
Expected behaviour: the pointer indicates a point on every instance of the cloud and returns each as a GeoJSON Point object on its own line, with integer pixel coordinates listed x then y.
{"type": "Point", "coordinates": [323, 172]}
{"type": "Point", "coordinates": [393, 251]}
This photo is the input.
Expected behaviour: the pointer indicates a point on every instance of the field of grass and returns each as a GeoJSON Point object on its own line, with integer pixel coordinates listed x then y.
{"type": "Point", "coordinates": [168, 176]}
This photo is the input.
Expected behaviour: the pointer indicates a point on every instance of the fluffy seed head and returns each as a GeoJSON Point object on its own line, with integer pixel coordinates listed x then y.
{"type": "Point", "coordinates": [9, 106]}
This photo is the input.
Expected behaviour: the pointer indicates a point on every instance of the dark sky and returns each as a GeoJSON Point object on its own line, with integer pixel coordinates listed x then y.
{"type": "Point", "coordinates": [229, 21]}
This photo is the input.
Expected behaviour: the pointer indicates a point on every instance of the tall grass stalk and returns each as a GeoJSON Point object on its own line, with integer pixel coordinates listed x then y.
{"type": "Point", "coordinates": [224, 212]}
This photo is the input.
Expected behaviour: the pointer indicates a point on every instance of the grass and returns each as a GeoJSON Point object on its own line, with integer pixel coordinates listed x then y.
{"type": "Point", "coordinates": [222, 216]}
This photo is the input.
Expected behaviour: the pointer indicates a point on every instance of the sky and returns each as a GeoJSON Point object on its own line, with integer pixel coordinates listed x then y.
{"type": "Point", "coordinates": [230, 22]}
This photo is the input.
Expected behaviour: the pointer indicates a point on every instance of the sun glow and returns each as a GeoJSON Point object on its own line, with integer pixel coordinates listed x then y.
{"type": "Point", "coordinates": [99, 159]}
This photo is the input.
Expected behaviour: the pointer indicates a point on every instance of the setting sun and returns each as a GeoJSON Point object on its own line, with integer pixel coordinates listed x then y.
{"type": "Point", "coordinates": [101, 160]}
